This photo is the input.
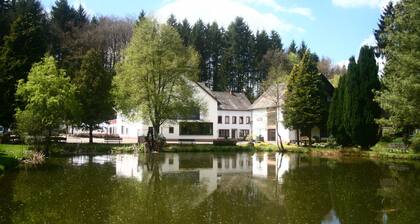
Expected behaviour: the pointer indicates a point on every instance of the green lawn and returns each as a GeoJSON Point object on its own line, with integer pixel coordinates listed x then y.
{"type": "Point", "coordinates": [10, 156]}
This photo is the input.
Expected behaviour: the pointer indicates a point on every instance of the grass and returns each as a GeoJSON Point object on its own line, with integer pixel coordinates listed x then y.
{"type": "Point", "coordinates": [10, 155]}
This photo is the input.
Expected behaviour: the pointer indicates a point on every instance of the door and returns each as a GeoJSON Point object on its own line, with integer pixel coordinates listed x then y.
{"type": "Point", "coordinates": [234, 133]}
{"type": "Point", "coordinates": [271, 134]}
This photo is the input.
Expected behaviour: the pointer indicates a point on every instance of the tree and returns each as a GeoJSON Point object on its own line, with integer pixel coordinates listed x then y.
{"type": "Point", "coordinates": [153, 78]}
{"type": "Point", "coordinates": [303, 106]}
{"type": "Point", "coordinates": [216, 45]}
{"type": "Point", "coordinates": [302, 49]}
{"type": "Point", "coordinates": [384, 27]}
{"type": "Point", "coordinates": [359, 109]}
{"type": "Point", "coordinates": [199, 42]}
{"type": "Point", "coordinates": [93, 83]}
{"type": "Point", "coordinates": [292, 47]}
{"type": "Point", "coordinates": [399, 97]}
{"type": "Point", "coordinates": [24, 45]}
{"type": "Point", "coordinates": [336, 125]}
{"type": "Point", "coordinates": [49, 98]}
{"type": "Point", "coordinates": [239, 58]}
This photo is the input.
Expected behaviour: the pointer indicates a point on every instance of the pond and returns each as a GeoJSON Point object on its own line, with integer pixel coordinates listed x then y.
{"type": "Point", "coordinates": [211, 188]}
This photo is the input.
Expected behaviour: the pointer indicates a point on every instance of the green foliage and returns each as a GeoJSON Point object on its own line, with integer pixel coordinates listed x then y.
{"type": "Point", "coordinates": [93, 84]}
{"type": "Point", "coordinates": [153, 79]}
{"type": "Point", "coordinates": [353, 111]}
{"type": "Point", "coordinates": [400, 96]}
{"type": "Point", "coordinates": [24, 45]}
{"type": "Point", "coordinates": [48, 97]}
{"type": "Point", "coordinates": [415, 142]}
{"type": "Point", "coordinates": [336, 125]}
{"type": "Point", "coordinates": [304, 106]}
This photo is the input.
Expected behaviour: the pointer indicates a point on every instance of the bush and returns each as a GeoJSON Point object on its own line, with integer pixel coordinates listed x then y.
{"type": "Point", "coordinates": [97, 135]}
{"type": "Point", "coordinates": [415, 142]}
{"type": "Point", "coordinates": [224, 142]}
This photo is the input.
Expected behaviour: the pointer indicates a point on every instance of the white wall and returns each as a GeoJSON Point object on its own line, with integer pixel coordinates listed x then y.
{"type": "Point", "coordinates": [230, 126]}
{"type": "Point", "coordinates": [260, 121]}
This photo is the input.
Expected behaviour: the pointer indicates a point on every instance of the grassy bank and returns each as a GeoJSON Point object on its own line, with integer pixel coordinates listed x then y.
{"type": "Point", "coordinates": [10, 155]}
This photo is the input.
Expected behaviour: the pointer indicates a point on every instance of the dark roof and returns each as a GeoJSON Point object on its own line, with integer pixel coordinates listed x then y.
{"type": "Point", "coordinates": [228, 100]}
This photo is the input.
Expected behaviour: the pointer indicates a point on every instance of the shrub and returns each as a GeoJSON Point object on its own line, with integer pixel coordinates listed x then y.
{"type": "Point", "coordinates": [224, 142]}
{"type": "Point", "coordinates": [415, 142]}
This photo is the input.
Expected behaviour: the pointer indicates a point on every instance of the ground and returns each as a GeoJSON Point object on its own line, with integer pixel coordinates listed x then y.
{"type": "Point", "coordinates": [10, 155]}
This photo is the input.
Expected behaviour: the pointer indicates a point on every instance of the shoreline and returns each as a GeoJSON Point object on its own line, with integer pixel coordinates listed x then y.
{"type": "Point", "coordinates": [12, 155]}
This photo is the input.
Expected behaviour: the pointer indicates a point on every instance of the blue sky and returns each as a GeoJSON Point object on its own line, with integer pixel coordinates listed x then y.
{"type": "Point", "coordinates": [332, 28]}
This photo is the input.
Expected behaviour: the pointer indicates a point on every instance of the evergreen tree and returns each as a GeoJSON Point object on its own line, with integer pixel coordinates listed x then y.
{"type": "Point", "coordinates": [292, 47]}
{"type": "Point", "coordinates": [6, 18]}
{"type": "Point", "coordinates": [184, 30]}
{"type": "Point", "coordinates": [239, 59]}
{"type": "Point", "coordinates": [302, 49]}
{"type": "Point", "coordinates": [216, 45]}
{"type": "Point", "coordinates": [303, 106]}
{"type": "Point", "coordinates": [360, 111]}
{"type": "Point", "coordinates": [141, 17]}
{"type": "Point", "coordinates": [276, 43]}
{"type": "Point", "coordinates": [63, 15]}
{"type": "Point", "coordinates": [199, 42]}
{"type": "Point", "coordinates": [24, 45]}
{"type": "Point", "coordinates": [172, 21]}
{"type": "Point", "coordinates": [335, 123]}
{"type": "Point", "coordinates": [381, 33]}
{"type": "Point", "coordinates": [93, 84]}
{"type": "Point", "coordinates": [400, 95]}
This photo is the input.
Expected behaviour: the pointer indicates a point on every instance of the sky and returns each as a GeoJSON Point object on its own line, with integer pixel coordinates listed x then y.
{"type": "Point", "coordinates": [331, 28]}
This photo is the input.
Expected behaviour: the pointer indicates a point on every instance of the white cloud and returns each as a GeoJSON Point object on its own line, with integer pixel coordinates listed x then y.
{"type": "Point", "coordinates": [225, 11]}
{"type": "Point", "coordinates": [342, 63]}
{"type": "Point", "coordinates": [361, 3]}
{"type": "Point", "coordinates": [307, 12]}
{"type": "Point", "coordinates": [370, 41]}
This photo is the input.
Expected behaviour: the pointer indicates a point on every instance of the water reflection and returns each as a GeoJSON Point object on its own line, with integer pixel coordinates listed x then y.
{"type": "Point", "coordinates": [211, 188]}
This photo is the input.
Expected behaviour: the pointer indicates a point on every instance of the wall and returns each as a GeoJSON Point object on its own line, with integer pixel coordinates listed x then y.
{"type": "Point", "coordinates": [231, 126]}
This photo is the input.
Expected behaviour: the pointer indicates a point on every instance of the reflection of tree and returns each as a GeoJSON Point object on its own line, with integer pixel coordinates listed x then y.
{"type": "Point", "coordinates": [354, 192]}
{"type": "Point", "coordinates": [159, 199]}
{"type": "Point", "coordinates": [7, 205]}
{"type": "Point", "coordinates": [402, 196]}
{"type": "Point", "coordinates": [306, 197]}
{"type": "Point", "coordinates": [57, 193]}
{"type": "Point", "coordinates": [242, 203]}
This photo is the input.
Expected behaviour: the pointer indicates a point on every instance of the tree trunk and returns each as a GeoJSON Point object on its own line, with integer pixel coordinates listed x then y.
{"type": "Point", "coordinates": [90, 134]}
{"type": "Point", "coordinates": [310, 136]}
{"type": "Point", "coordinates": [156, 143]}
{"type": "Point", "coordinates": [298, 137]}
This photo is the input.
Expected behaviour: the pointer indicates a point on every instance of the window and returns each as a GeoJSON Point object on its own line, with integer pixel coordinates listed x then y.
{"type": "Point", "coordinates": [223, 133]}
{"type": "Point", "coordinates": [271, 135]}
{"type": "Point", "coordinates": [248, 120]}
{"type": "Point", "coordinates": [171, 130]}
{"type": "Point", "coordinates": [227, 120]}
{"type": "Point", "coordinates": [241, 120]}
{"type": "Point", "coordinates": [234, 120]}
{"type": "Point", "coordinates": [195, 128]}
{"type": "Point", "coordinates": [122, 130]}
{"type": "Point", "coordinates": [219, 119]}
{"type": "Point", "coordinates": [243, 133]}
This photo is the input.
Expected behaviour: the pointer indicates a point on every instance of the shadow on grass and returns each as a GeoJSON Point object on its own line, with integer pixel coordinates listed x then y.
{"type": "Point", "coordinates": [7, 162]}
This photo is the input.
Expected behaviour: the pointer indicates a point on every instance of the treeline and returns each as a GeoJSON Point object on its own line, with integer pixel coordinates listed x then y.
{"type": "Point", "coordinates": [87, 49]}
{"type": "Point", "coordinates": [364, 101]}
{"type": "Point", "coordinates": [238, 59]}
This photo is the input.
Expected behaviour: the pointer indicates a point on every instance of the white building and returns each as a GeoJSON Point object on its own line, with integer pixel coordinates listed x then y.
{"type": "Point", "coordinates": [227, 115]}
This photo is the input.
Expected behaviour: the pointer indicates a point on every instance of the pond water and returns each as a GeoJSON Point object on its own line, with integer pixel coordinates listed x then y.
{"type": "Point", "coordinates": [211, 188]}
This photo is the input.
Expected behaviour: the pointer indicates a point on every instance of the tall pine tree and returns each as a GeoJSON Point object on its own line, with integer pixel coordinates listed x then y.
{"type": "Point", "coordinates": [303, 106]}
{"type": "Point", "coordinates": [24, 45]}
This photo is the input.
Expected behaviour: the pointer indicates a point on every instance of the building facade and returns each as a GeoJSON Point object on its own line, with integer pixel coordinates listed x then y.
{"type": "Point", "coordinates": [227, 115]}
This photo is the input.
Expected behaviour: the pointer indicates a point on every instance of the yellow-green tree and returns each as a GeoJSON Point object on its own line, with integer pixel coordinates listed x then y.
{"type": "Point", "coordinates": [154, 78]}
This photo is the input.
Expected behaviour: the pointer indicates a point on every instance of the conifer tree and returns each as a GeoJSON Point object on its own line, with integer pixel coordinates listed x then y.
{"type": "Point", "coordinates": [303, 106]}
{"type": "Point", "coordinates": [292, 47]}
{"type": "Point", "coordinates": [25, 44]}
{"type": "Point", "coordinates": [335, 123]}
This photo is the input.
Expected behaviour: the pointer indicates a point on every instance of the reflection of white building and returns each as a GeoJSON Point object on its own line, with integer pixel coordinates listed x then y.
{"type": "Point", "coordinates": [265, 166]}
{"type": "Point", "coordinates": [127, 165]}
